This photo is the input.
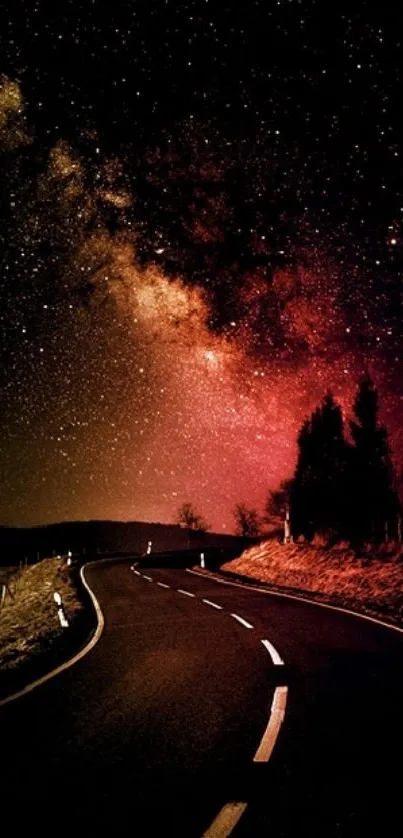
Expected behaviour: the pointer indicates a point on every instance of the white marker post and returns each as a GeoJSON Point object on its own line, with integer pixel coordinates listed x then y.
{"type": "Point", "coordinates": [202, 561]}
{"type": "Point", "coordinates": [60, 611]}
{"type": "Point", "coordinates": [69, 557]}
{"type": "Point", "coordinates": [149, 546]}
{"type": "Point", "coordinates": [288, 539]}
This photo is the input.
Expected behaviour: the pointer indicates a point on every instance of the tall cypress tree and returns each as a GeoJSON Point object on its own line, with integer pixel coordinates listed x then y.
{"type": "Point", "coordinates": [302, 491]}
{"type": "Point", "coordinates": [375, 499]}
{"type": "Point", "coordinates": [318, 492]}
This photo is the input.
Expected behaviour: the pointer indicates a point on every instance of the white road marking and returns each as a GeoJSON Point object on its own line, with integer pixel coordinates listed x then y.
{"type": "Point", "coordinates": [163, 585]}
{"type": "Point", "coordinates": [276, 719]}
{"type": "Point", "coordinates": [277, 660]}
{"type": "Point", "coordinates": [81, 654]}
{"type": "Point", "coordinates": [147, 577]}
{"type": "Point", "coordinates": [62, 618]}
{"type": "Point", "coordinates": [228, 817]}
{"type": "Point", "coordinates": [242, 621]}
{"type": "Point", "coordinates": [213, 604]}
{"type": "Point", "coordinates": [137, 572]}
{"type": "Point", "coordinates": [297, 599]}
{"type": "Point", "coordinates": [186, 593]}
{"type": "Point", "coordinates": [225, 821]}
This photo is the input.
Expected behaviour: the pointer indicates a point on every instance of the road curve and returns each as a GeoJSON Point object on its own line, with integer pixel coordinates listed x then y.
{"type": "Point", "coordinates": [157, 729]}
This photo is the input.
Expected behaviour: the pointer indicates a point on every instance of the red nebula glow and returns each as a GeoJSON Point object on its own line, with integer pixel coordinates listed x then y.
{"type": "Point", "coordinates": [225, 421]}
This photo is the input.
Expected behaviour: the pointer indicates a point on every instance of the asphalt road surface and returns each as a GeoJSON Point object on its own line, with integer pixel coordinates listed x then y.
{"type": "Point", "coordinates": [157, 729]}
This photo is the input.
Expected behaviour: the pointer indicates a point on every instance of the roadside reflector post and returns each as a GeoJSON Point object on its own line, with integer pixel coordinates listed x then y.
{"type": "Point", "coordinates": [62, 618]}
{"type": "Point", "coordinates": [149, 546]}
{"type": "Point", "coordinates": [202, 560]}
{"type": "Point", "coordinates": [60, 610]}
{"type": "Point", "coordinates": [288, 538]}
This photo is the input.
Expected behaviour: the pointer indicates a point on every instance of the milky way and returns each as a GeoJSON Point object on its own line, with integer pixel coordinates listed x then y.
{"type": "Point", "coordinates": [173, 307]}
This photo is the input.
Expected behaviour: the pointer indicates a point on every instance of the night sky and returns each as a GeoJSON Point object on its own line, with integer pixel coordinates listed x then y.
{"type": "Point", "coordinates": [201, 213]}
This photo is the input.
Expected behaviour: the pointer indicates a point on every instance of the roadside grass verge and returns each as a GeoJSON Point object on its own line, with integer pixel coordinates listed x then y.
{"type": "Point", "coordinates": [32, 641]}
{"type": "Point", "coordinates": [372, 583]}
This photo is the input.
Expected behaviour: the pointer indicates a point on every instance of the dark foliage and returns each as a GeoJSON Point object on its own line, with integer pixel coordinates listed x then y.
{"type": "Point", "coordinates": [318, 491]}
{"type": "Point", "coordinates": [278, 501]}
{"type": "Point", "coordinates": [246, 520]}
{"type": "Point", "coordinates": [188, 517]}
{"type": "Point", "coordinates": [343, 490]}
{"type": "Point", "coordinates": [375, 501]}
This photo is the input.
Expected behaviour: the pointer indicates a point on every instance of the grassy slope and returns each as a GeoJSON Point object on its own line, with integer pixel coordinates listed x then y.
{"type": "Point", "coordinates": [373, 584]}
{"type": "Point", "coordinates": [29, 624]}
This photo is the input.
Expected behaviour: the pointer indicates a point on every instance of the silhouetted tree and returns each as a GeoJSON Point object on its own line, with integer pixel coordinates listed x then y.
{"type": "Point", "coordinates": [376, 503]}
{"type": "Point", "coordinates": [188, 517]}
{"type": "Point", "coordinates": [246, 520]}
{"type": "Point", "coordinates": [279, 500]}
{"type": "Point", "coordinates": [318, 489]}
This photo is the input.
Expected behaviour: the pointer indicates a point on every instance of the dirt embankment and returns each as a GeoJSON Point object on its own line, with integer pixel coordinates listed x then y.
{"type": "Point", "coordinates": [372, 584]}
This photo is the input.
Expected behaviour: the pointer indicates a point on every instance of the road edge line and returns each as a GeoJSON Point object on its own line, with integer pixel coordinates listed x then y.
{"type": "Point", "coordinates": [67, 664]}
{"type": "Point", "coordinates": [256, 587]}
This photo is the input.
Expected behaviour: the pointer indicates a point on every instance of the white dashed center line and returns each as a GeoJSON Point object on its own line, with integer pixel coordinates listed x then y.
{"type": "Point", "coordinates": [213, 604]}
{"type": "Point", "coordinates": [277, 713]}
{"type": "Point", "coordinates": [226, 821]}
{"type": "Point", "coordinates": [273, 653]}
{"type": "Point", "coordinates": [242, 621]}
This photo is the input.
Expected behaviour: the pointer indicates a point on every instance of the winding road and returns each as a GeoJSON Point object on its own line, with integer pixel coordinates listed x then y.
{"type": "Point", "coordinates": [208, 709]}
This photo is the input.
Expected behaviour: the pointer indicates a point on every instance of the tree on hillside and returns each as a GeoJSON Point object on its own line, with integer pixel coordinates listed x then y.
{"type": "Point", "coordinates": [186, 516]}
{"type": "Point", "coordinates": [278, 500]}
{"type": "Point", "coordinates": [318, 492]}
{"type": "Point", "coordinates": [246, 521]}
{"type": "Point", "coordinates": [398, 487]}
{"type": "Point", "coordinates": [376, 503]}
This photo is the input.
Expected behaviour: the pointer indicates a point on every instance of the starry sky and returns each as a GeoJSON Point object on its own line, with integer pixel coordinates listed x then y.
{"type": "Point", "coordinates": [201, 213]}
